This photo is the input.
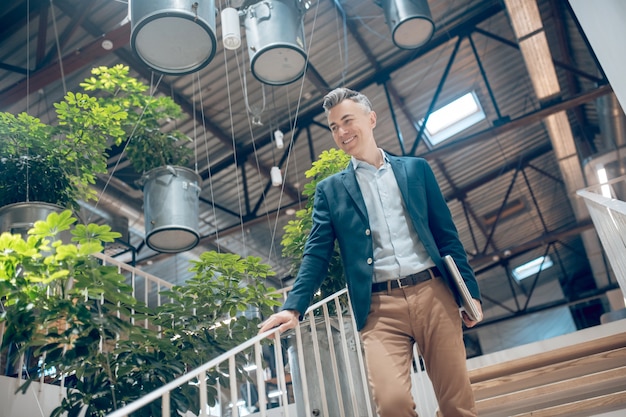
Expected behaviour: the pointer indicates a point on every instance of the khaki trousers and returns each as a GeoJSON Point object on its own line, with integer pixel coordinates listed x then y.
{"type": "Point", "coordinates": [425, 314]}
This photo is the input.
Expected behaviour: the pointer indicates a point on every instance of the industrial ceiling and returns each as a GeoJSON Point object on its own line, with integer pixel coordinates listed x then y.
{"type": "Point", "coordinates": [509, 184]}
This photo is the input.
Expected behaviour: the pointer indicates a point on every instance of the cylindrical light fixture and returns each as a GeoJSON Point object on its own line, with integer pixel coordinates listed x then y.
{"type": "Point", "coordinates": [410, 22]}
{"type": "Point", "coordinates": [278, 138]}
{"type": "Point", "coordinates": [275, 38]}
{"type": "Point", "coordinates": [173, 37]}
{"type": "Point", "coordinates": [276, 176]}
{"type": "Point", "coordinates": [231, 32]}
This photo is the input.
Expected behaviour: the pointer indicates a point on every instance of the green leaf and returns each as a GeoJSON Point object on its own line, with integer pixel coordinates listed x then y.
{"type": "Point", "coordinates": [54, 223]}
{"type": "Point", "coordinates": [84, 234]}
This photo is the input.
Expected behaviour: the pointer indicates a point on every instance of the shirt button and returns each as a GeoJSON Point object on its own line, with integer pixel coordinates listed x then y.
{"type": "Point", "coordinates": [367, 232]}
{"type": "Point", "coordinates": [369, 261]}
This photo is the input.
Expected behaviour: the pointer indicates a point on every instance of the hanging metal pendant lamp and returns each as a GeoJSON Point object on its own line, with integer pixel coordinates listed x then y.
{"type": "Point", "coordinates": [410, 22]}
{"type": "Point", "coordinates": [173, 37]}
{"type": "Point", "coordinates": [275, 38]}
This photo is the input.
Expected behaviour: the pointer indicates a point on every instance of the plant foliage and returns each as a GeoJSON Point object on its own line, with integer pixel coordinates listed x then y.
{"type": "Point", "coordinates": [75, 317]}
{"type": "Point", "coordinates": [148, 143]}
{"type": "Point", "coordinates": [297, 231]}
{"type": "Point", "coordinates": [59, 163]}
{"type": "Point", "coordinates": [56, 164]}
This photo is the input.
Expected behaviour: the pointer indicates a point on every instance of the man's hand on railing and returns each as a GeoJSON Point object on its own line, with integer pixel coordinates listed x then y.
{"type": "Point", "coordinates": [284, 320]}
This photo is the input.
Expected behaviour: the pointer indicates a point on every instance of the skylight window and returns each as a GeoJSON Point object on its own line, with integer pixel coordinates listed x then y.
{"type": "Point", "coordinates": [453, 118]}
{"type": "Point", "coordinates": [603, 178]}
{"type": "Point", "coordinates": [532, 267]}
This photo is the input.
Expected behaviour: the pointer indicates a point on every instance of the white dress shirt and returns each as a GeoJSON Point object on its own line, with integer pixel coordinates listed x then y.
{"type": "Point", "coordinates": [398, 250]}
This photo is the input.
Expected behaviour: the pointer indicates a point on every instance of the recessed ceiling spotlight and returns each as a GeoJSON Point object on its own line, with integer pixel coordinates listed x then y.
{"type": "Point", "coordinates": [107, 45]}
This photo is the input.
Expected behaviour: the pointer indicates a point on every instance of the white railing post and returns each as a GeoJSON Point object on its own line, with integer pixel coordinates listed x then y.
{"type": "Point", "coordinates": [357, 341]}
{"type": "Point", "coordinates": [232, 371]}
{"type": "Point", "coordinates": [280, 375]}
{"type": "Point", "coordinates": [165, 404]}
{"type": "Point", "coordinates": [333, 358]}
{"type": "Point", "coordinates": [346, 359]}
{"type": "Point", "coordinates": [260, 381]}
{"type": "Point", "coordinates": [302, 368]}
{"type": "Point", "coordinates": [318, 361]}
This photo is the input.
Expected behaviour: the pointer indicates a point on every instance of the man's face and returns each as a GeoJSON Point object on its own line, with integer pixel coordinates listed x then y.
{"type": "Point", "coordinates": [352, 126]}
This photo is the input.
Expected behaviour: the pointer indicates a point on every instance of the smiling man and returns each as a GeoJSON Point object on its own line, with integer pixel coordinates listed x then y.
{"type": "Point", "coordinates": [393, 227]}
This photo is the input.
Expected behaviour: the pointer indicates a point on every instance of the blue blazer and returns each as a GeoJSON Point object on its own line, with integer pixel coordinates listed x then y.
{"type": "Point", "coordinates": [339, 213]}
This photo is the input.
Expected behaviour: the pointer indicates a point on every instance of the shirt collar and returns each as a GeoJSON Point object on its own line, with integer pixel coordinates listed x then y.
{"type": "Point", "coordinates": [356, 163]}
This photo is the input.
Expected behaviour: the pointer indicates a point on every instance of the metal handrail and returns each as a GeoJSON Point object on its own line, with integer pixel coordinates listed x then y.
{"type": "Point", "coordinates": [121, 266]}
{"type": "Point", "coordinates": [199, 373]}
{"type": "Point", "coordinates": [331, 380]}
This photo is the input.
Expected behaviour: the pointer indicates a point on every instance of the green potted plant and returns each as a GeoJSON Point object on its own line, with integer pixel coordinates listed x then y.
{"type": "Point", "coordinates": [297, 231]}
{"type": "Point", "coordinates": [147, 145]}
{"type": "Point", "coordinates": [158, 154]}
{"type": "Point", "coordinates": [58, 164]}
{"type": "Point", "coordinates": [75, 314]}
{"type": "Point", "coordinates": [41, 280]}
{"type": "Point", "coordinates": [46, 168]}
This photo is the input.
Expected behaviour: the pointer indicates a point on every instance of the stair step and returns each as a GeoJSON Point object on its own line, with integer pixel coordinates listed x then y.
{"type": "Point", "coordinates": [560, 392]}
{"type": "Point", "coordinates": [550, 373]}
{"type": "Point", "coordinates": [526, 363]}
{"type": "Point", "coordinates": [582, 408]}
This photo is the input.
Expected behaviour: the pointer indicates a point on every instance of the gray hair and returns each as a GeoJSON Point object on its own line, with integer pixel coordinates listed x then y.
{"type": "Point", "coordinates": [340, 94]}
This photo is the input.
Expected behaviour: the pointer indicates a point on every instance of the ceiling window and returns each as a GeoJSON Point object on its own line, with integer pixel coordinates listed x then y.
{"type": "Point", "coordinates": [604, 179]}
{"type": "Point", "coordinates": [531, 268]}
{"type": "Point", "coordinates": [453, 118]}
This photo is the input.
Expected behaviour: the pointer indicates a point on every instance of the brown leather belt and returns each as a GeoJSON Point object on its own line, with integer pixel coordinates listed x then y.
{"type": "Point", "coordinates": [407, 281]}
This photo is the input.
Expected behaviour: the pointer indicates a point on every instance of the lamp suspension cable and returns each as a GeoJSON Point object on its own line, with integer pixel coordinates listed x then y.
{"type": "Point", "coordinates": [256, 115]}
{"type": "Point", "coordinates": [208, 162]}
{"type": "Point", "coordinates": [276, 177]}
{"type": "Point", "coordinates": [130, 138]}
{"type": "Point", "coordinates": [276, 135]}
{"type": "Point", "coordinates": [234, 144]}
{"type": "Point", "coordinates": [254, 119]}
{"type": "Point", "coordinates": [294, 123]}
{"type": "Point", "coordinates": [2, 308]}
{"type": "Point", "coordinates": [195, 84]}
{"type": "Point", "coordinates": [27, 92]}
{"type": "Point", "coordinates": [270, 130]}
{"type": "Point", "coordinates": [343, 52]}
{"type": "Point", "coordinates": [289, 149]}
{"type": "Point", "coordinates": [27, 62]}
{"type": "Point", "coordinates": [58, 46]}
{"type": "Point", "coordinates": [275, 171]}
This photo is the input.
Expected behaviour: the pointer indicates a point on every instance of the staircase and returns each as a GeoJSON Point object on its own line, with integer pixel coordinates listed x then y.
{"type": "Point", "coordinates": [567, 379]}
{"type": "Point", "coordinates": [578, 374]}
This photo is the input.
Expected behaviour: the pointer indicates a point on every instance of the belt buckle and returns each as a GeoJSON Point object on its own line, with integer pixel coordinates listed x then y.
{"type": "Point", "coordinates": [399, 281]}
{"type": "Point", "coordinates": [432, 273]}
